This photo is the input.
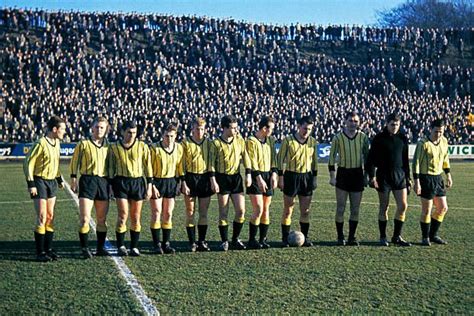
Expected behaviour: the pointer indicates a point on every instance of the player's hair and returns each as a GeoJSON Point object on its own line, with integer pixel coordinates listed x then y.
{"type": "Point", "coordinates": [265, 122]}
{"type": "Point", "coordinates": [54, 121]}
{"type": "Point", "coordinates": [393, 117]}
{"type": "Point", "coordinates": [100, 119]}
{"type": "Point", "coordinates": [306, 120]}
{"type": "Point", "coordinates": [439, 122]}
{"type": "Point", "coordinates": [171, 127]}
{"type": "Point", "coordinates": [350, 114]}
{"type": "Point", "coordinates": [199, 121]}
{"type": "Point", "coordinates": [227, 120]}
{"type": "Point", "coordinates": [128, 124]}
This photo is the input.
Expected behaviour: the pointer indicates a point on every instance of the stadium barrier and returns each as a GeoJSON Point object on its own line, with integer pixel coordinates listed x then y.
{"type": "Point", "coordinates": [19, 151]}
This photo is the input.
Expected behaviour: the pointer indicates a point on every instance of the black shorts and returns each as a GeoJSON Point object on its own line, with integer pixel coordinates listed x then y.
{"type": "Point", "coordinates": [431, 186]}
{"type": "Point", "coordinates": [297, 184]}
{"type": "Point", "coordinates": [199, 184]}
{"type": "Point", "coordinates": [46, 188]}
{"type": "Point", "coordinates": [129, 188]}
{"type": "Point", "coordinates": [253, 189]}
{"type": "Point", "coordinates": [93, 188]}
{"type": "Point", "coordinates": [389, 180]}
{"type": "Point", "coordinates": [350, 179]}
{"type": "Point", "coordinates": [229, 184]}
{"type": "Point", "coordinates": [166, 186]}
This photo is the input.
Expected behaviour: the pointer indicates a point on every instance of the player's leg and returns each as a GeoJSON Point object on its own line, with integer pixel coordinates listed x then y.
{"type": "Point", "coordinates": [257, 210]}
{"type": "Point", "coordinates": [121, 226]}
{"type": "Point", "coordinates": [101, 210]}
{"type": "Point", "coordinates": [85, 208]}
{"type": "Point", "coordinates": [265, 221]}
{"type": "Point", "coordinates": [441, 208]}
{"type": "Point", "coordinates": [288, 207]}
{"type": "Point", "coordinates": [402, 205]}
{"type": "Point", "coordinates": [155, 224]}
{"type": "Point", "coordinates": [354, 198]}
{"type": "Point", "coordinates": [305, 205]}
{"type": "Point", "coordinates": [49, 235]}
{"type": "Point", "coordinates": [341, 200]}
{"type": "Point", "coordinates": [238, 200]}
{"type": "Point", "coordinates": [167, 219]}
{"type": "Point", "coordinates": [40, 205]}
{"type": "Point", "coordinates": [384, 199]}
{"type": "Point", "coordinates": [189, 202]}
{"type": "Point", "coordinates": [135, 226]}
{"type": "Point", "coordinates": [203, 223]}
{"type": "Point", "coordinates": [223, 201]}
{"type": "Point", "coordinates": [425, 220]}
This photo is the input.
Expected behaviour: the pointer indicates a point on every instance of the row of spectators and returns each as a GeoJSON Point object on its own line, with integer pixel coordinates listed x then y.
{"type": "Point", "coordinates": [157, 69]}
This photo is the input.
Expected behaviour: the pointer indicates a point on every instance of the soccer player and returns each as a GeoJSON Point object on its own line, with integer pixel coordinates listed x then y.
{"type": "Point", "coordinates": [41, 168]}
{"type": "Point", "coordinates": [167, 165]}
{"type": "Point", "coordinates": [129, 162]}
{"type": "Point", "coordinates": [389, 154]}
{"type": "Point", "coordinates": [197, 183]}
{"type": "Point", "coordinates": [90, 159]}
{"type": "Point", "coordinates": [227, 151]}
{"type": "Point", "coordinates": [262, 153]}
{"type": "Point", "coordinates": [429, 162]}
{"type": "Point", "coordinates": [349, 148]}
{"type": "Point", "coordinates": [297, 163]}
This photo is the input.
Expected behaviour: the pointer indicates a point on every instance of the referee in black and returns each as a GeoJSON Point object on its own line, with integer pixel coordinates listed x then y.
{"type": "Point", "coordinates": [389, 170]}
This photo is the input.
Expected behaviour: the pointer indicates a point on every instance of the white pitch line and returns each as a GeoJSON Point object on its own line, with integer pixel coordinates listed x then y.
{"type": "Point", "coordinates": [132, 282]}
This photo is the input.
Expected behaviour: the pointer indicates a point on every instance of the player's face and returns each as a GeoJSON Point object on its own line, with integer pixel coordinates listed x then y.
{"type": "Point", "coordinates": [436, 133]}
{"type": "Point", "coordinates": [353, 123]}
{"type": "Point", "coordinates": [268, 130]}
{"type": "Point", "coordinates": [60, 131]}
{"type": "Point", "coordinates": [199, 131]}
{"type": "Point", "coordinates": [393, 127]}
{"type": "Point", "coordinates": [230, 131]}
{"type": "Point", "coordinates": [169, 138]}
{"type": "Point", "coordinates": [99, 130]}
{"type": "Point", "coordinates": [304, 131]}
{"type": "Point", "coordinates": [129, 135]}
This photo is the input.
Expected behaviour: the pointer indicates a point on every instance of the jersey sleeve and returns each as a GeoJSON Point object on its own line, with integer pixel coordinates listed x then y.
{"type": "Point", "coordinates": [417, 160]}
{"type": "Point", "coordinates": [245, 157]}
{"type": "Point", "coordinates": [273, 163]}
{"type": "Point", "coordinates": [370, 162]}
{"type": "Point", "coordinates": [147, 168]}
{"type": "Point", "coordinates": [314, 162]}
{"type": "Point", "coordinates": [252, 154]}
{"type": "Point", "coordinates": [211, 168]}
{"type": "Point", "coordinates": [180, 162]}
{"type": "Point", "coordinates": [76, 160]}
{"type": "Point", "coordinates": [111, 162]}
{"type": "Point", "coordinates": [29, 163]}
{"type": "Point", "coordinates": [281, 156]}
{"type": "Point", "coordinates": [333, 154]}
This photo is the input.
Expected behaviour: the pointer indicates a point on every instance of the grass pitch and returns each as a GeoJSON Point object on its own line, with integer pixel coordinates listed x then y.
{"type": "Point", "coordinates": [325, 278]}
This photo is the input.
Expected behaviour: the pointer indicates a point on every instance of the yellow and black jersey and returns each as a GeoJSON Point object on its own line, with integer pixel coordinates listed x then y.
{"type": "Point", "coordinates": [196, 155]}
{"type": "Point", "coordinates": [132, 162]}
{"type": "Point", "coordinates": [225, 156]}
{"type": "Point", "coordinates": [42, 161]}
{"type": "Point", "coordinates": [262, 155]}
{"type": "Point", "coordinates": [167, 164]}
{"type": "Point", "coordinates": [431, 158]}
{"type": "Point", "coordinates": [90, 159]}
{"type": "Point", "coordinates": [298, 157]}
{"type": "Point", "coordinates": [348, 152]}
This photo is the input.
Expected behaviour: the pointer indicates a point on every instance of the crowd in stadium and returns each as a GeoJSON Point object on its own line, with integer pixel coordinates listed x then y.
{"type": "Point", "coordinates": [156, 69]}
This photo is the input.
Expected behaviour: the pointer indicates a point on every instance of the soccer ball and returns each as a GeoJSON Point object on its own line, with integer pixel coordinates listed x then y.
{"type": "Point", "coordinates": [295, 238]}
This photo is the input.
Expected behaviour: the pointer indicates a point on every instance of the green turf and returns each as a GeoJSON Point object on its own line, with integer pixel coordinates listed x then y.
{"type": "Point", "coordinates": [325, 278]}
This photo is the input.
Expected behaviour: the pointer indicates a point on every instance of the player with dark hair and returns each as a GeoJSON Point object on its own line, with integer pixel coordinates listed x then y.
{"type": "Point", "coordinates": [349, 149]}
{"type": "Point", "coordinates": [227, 151]}
{"type": "Point", "coordinates": [41, 168]}
{"type": "Point", "coordinates": [167, 165]}
{"type": "Point", "coordinates": [262, 154]}
{"type": "Point", "coordinates": [297, 164]}
{"type": "Point", "coordinates": [90, 159]}
{"type": "Point", "coordinates": [388, 169]}
{"type": "Point", "coordinates": [197, 183]}
{"type": "Point", "coordinates": [430, 160]}
{"type": "Point", "coordinates": [129, 162]}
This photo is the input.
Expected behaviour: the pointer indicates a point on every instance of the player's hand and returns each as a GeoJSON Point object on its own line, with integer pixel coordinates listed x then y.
{"type": "Point", "coordinates": [248, 180]}
{"type": "Point", "coordinates": [149, 192]}
{"type": "Point", "coordinates": [178, 189]}
{"type": "Point", "coordinates": [449, 181]}
{"type": "Point", "coordinates": [155, 193]}
{"type": "Point", "coordinates": [33, 191]}
{"type": "Point", "coordinates": [315, 183]}
{"type": "Point", "coordinates": [262, 185]}
{"type": "Point", "coordinates": [214, 185]}
{"type": "Point", "coordinates": [184, 188]}
{"type": "Point", "coordinates": [373, 183]}
{"type": "Point", "coordinates": [417, 187]}
{"type": "Point", "coordinates": [274, 180]}
{"type": "Point", "coordinates": [281, 183]}
{"type": "Point", "coordinates": [74, 185]}
{"type": "Point", "coordinates": [332, 181]}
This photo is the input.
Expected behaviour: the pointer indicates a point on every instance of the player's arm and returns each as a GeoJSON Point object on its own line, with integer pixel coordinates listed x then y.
{"type": "Point", "coordinates": [447, 168]}
{"type": "Point", "coordinates": [148, 170]}
{"type": "Point", "coordinates": [180, 169]}
{"type": "Point", "coordinates": [314, 165]}
{"type": "Point", "coordinates": [332, 160]}
{"type": "Point", "coordinates": [247, 163]}
{"type": "Point", "coordinates": [252, 154]}
{"type": "Point", "coordinates": [416, 167]}
{"type": "Point", "coordinates": [365, 154]}
{"type": "Point", "coordinates": [74, 166]}
{"type": "Point", "coordinates": [29, 167]}
{"type": "Point", "coordinates": [406, 163]}
{"type": "Point", "coordinates": [273, 164]}
{"type": "Point", "coordinates": [212, 166]}
{"type": "Point", "coordinates": [281, 160]}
